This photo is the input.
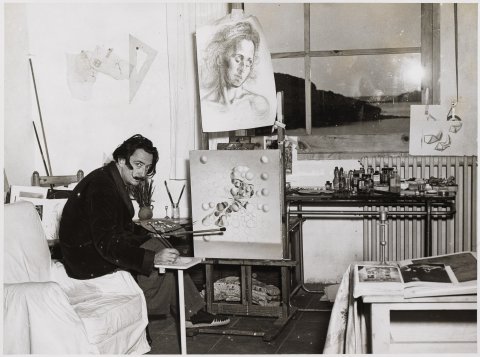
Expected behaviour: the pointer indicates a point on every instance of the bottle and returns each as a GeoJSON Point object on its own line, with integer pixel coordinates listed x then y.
{"type": "Point", "coordinates": [376, 178]}
{"type": "Point", "coordinates": [368, 182]}
{"type": "Point", "coordinates": [395, 182]}
{"type": "Point", "coordinates": [348, 182]}
{"type": "Point", "coordinates": [362, 171]}
{"type": "Point", "coordinates": [336, 179]}
{"type": "Point", "coordinates": [328, 186]}
{"type": "Point", "coordinates": [355, 179]}
{"type": "Point", "coordinates": [361, 184]}
{"type": "Point", "coordinates": [342, 182]}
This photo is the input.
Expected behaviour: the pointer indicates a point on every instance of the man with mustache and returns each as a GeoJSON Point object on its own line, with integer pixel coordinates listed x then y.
{"type": "Point", "coordinates": [97, 235]}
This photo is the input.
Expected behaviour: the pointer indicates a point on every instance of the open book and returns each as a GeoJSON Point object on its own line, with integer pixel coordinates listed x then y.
{"type": "Point", "coordinates": [449, 274]}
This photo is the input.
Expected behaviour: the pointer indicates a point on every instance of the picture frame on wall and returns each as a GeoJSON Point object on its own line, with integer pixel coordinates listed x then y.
{"type": "Point", "coordinates": [50, 212]}
{"type": "Point", "coordinates": [18, 192]}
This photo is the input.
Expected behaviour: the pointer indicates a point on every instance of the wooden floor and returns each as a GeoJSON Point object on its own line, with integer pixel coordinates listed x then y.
{"type": "Point", "coordinates": [304, 334]}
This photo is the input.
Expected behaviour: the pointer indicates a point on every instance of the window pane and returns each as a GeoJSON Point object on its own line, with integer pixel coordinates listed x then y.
{"type": "Point", "coordinates": [365, 90]}
{"type": "Point", "coordinates": [374, 76]}
{"type": "Point", "coordinates": [290, 79]}
{"type": "Point", "coordinates": [282, 25]}
{"type": "Point", "coordinates": [292, 66]}
{"type": "Point", "coordinates": [361, 26]}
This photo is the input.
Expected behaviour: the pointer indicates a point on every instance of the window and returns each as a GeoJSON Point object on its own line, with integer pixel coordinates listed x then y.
{"type": "Point", "coordinates": [350, 72]}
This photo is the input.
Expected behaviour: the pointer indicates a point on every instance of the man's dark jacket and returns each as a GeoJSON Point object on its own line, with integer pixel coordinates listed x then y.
{"type": "Point", "coordinates": [97, 235]}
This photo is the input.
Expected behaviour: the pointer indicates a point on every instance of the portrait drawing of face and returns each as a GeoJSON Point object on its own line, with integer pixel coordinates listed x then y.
{"type": "Point", "coordinates": [237, 89]}
{"type": "Point", "coordinates": [239, 63]}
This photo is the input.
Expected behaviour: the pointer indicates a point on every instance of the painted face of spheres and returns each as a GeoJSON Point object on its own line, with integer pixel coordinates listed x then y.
{"type": "Point", "coordinates": [242, 189]}
{"type": "Point", "coordinates": [239, 63]}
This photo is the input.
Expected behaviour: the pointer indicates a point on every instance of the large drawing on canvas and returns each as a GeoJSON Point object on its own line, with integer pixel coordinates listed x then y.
{"type": "Point", "coordinates": [238, 191]}
{"type": "Point", "coordinates": [237, 87]}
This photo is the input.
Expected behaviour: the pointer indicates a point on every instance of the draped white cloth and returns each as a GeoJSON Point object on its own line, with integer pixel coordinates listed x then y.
{"type": "Point", "coordinates": [347, 331]}
{"type": "Point", "coordinates": [47, 312]}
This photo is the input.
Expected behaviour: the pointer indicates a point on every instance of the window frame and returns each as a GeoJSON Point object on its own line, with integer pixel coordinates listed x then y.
{"type": "Point", "coordinates": [430, 58]}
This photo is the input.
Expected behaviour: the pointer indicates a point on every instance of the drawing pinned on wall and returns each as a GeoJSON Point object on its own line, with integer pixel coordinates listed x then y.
{"type": "Point", "coordinates": [83, 68]}
{"type": "Point", "coordinates": [439, 130]}
{"type": "Point", "coordinates": [138, 73]}
{"type": "Point", "coordinates": [237, 87]}
{"type": "Point", "coordinates": [240, 191]}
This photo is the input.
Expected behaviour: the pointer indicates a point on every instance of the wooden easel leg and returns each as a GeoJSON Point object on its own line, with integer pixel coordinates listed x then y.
{"type": "Point", "coordinates": [287, 312]}
{"type": "Point", "coordinates": [209, 286]}
{"type": "Point", "coordinates": [279, 325]}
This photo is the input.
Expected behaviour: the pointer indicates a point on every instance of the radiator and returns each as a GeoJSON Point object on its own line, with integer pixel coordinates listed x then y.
{"type": "Point", "coordinates": [405, 235]}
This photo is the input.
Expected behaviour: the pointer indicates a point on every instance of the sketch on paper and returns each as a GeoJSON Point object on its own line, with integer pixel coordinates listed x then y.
{"type": "Point", "coordinates": [83, 68]}
{"type": "Point", "coordinates": [240, 191]}
{"type": "Point", "coordinates": [439, 130]}
{"type": "Point", "coordinates": [237, 87]}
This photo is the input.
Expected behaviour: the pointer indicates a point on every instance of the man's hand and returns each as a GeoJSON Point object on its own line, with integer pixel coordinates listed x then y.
{"type": "Point", "coordinates": [166, 256]}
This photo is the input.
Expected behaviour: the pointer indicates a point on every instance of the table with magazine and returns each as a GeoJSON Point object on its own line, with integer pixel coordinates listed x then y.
{"type": "Point", "coordinates": [419, 305]}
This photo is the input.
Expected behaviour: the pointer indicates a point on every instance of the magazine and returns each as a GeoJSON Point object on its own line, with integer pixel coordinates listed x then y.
{"type": "Point", "coordinates": [450, 274]}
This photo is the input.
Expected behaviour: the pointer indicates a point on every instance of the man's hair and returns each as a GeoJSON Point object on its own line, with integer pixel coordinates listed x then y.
{"type": "Point", "coordinates": [128, 147]}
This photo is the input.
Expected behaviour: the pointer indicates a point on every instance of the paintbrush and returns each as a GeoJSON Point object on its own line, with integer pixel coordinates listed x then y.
{"type": "Point", "coordinates": [169, 194]}
{"type": "Point", "coordinates": [202, 231]}
{"type": "Point", "coordinates": [181, 193]}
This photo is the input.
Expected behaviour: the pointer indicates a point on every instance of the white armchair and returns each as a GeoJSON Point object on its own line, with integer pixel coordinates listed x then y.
{"type": "Point", "coordinates": [47, 312]}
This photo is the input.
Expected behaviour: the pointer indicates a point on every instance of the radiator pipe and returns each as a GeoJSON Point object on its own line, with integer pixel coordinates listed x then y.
{"type": "Point", "coordinates": [312, 214]}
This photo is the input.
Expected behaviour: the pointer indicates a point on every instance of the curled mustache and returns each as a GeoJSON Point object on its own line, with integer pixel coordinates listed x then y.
{"type": "Point", "coordinates": [139, 178]}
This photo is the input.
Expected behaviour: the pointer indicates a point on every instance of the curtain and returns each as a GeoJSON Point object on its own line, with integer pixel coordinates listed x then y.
{"type": "Point", "coordinates": [185, 122]}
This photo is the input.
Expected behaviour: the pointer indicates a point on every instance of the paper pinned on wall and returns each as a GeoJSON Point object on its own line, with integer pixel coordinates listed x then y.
{"type": "Point", "coordinates": [237, 87]}
{"type": "Point", "coordinates": [82, 69]}
{"type": "Point", "coordinates": [18, 192]}
{"type": "Point", "coordinates": [435, 131]}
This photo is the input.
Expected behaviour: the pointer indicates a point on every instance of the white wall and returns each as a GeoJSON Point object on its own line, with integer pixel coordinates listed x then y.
{"type": "Point", "coordinates": [19, 144]}
{"type": "Point", "coordinates": [81, 134]}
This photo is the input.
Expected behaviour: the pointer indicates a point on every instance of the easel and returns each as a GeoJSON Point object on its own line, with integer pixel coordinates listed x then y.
{"type": "Point", "coordinates": [284, 311]}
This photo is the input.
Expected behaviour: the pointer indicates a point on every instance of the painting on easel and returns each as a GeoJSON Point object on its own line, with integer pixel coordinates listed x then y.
{"type": "Point", "coordinates": [239, 191]}
{"type": "Point", "coordinates": [237, 88]}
